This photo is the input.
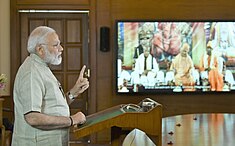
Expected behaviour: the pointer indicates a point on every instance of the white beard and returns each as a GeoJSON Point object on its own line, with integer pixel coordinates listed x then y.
{"type": "Point", "coordinates": [52, 59]}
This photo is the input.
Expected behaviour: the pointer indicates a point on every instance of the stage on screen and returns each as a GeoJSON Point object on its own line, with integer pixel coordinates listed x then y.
{"type": "Point", "coordinates": [175, 56]}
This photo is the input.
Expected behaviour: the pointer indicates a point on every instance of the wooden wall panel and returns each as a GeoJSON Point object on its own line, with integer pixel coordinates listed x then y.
{"type": "Point", "coordinates": [170, 9]}
{"type": "Point", "coordinates": [71, 78]}
{"type": "Point", "coordinates": [104, 59]}
{"type": "Point", "coordinates": [104, 66]}
{"type": "Point", "coordinates": [61, 2]}
{"type": "Point", "coordinates": [58, 26]}
{"type": "Point", "coordinates": [74, 61]}
{"type": "Point", "coordinates": [23, 43]}
{"type": "Point", "coordinates": [74, 33]}
{"type": "Point", "coordinates": [33, 23]}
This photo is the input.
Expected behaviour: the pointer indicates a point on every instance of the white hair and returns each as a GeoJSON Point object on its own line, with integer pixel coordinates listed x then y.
{"type": "Point", "coordinates": [38, 36]}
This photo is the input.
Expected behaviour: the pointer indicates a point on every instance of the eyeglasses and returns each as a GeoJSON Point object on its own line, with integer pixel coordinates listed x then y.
{"type": "Point", "coordinates": [145, 38]}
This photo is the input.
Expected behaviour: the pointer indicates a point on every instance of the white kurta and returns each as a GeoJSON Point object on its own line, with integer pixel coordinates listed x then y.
{"type": "Point", "coordinates": [140, 66]}
{"type": "Point", "coordinates": [151, 64]}
{"type": "Point", "coordinates": [37, 89]}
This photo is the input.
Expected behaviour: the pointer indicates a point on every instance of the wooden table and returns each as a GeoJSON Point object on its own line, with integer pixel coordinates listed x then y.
{"type": "Point", "coordinates": [199, 130]}
{"type": "Point", "coordinates": [116, 119]}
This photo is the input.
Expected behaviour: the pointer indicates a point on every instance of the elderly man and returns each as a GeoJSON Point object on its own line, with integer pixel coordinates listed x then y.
{"type": "Point", "coordinates": [182, 66]}
{"type": "Point", "coordinates": [146, 69]}
{"type": "Point", "coordinates": [42, 116]}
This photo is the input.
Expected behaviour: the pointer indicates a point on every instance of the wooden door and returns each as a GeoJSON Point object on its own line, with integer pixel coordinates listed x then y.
{"type": "Point", "coordinates": [73, 33]}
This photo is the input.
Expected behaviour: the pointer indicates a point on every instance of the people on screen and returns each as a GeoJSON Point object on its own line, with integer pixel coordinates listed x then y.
{"type": "Point", "coordinates": [224, 43]}
{"type": "Point", "coordinates": [145, 65]}
{"type": "Point", "coordinates": [145, 36]}
{"type": "Point", "coordinates": [182, 66]}
{"type": "Point", "coordinates": [145, 70]}
{"type": "Point", "coordinates": [224, 40]}
{"type": "Point", "coordinates": [123, 76]}
{"type": "Point", "coordinates": [209, 69]}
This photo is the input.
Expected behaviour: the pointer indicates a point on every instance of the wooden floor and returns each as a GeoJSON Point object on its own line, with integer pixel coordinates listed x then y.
{"type": "Point", "coordinates": [195, 130]}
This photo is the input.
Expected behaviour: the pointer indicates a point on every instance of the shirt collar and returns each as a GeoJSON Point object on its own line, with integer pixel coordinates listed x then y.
{"type": "Point", "coordinates": [38, 59]}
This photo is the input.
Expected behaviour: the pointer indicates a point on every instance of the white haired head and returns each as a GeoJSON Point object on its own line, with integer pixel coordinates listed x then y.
{"type": "Point", "coordinates": [38, 36]}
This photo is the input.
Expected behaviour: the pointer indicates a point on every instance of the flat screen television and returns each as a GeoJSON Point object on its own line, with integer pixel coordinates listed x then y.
{"type": "Point", "coordinates": [175, 56]}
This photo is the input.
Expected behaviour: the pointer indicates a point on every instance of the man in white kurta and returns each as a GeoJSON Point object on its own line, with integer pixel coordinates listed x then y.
{"type": "Point", "coordinates": [42, 116]}
{"type": "Point", "coordinates": [146, 69]}
{"type": "Point", "coordinates": [47, 99]}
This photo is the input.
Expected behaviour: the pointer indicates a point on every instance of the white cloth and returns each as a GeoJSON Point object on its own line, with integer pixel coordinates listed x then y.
{"type": "Point", "coordinates": [196, 76]}
{"type": "Point", "coordinates": [229, 77]}
{"type": "Point", "coordinates": [160, 77]}
{"type": "Point", "coordinates": [170, 76]}
{"type": "Point", "coordinates": [119, 67]}
{"type": "Point", "coordinates": [125, 75]}
{"type": "Point", "coordinates": [137, 138]}
{"type": "Point", "coordinates": [151, 64]}
{"type": "Point", "coordinates": [37, 89]}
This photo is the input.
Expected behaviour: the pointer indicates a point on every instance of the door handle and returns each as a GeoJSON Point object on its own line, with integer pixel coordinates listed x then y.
{"type": "Point", "coordinates": [87, 73]}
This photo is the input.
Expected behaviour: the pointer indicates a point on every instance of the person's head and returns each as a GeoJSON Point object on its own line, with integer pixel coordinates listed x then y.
{"type": "Point", "coordinates": [44, 42]}
{"type": "Point", "coordinates": [145, 38]}
{"type": "Point", "coordinates": [184, 50]}
{"type": "Point", "coordinates": [209, 48]}
{"type": "Point", "coordinates": [224, 43]}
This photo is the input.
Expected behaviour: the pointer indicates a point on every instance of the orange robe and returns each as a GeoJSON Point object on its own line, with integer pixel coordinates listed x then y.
{"type": "Point", "coordinates": [215, 78]}
{"type": "Point", "coordinates": [182, 66]}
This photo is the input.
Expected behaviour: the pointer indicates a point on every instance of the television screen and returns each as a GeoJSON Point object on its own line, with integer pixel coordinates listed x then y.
{"type": "Point", "coordinates": [179, 56]}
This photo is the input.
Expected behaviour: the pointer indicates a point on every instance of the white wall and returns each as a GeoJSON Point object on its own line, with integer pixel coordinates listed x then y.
{"type": "Point", "coordinates": [5, 42]}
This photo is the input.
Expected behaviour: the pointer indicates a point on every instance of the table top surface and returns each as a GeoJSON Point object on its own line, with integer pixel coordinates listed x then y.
{"type": "Point", "coordinates": [102, 116]}
{"type": "Point", "coordinates": [199, 130]}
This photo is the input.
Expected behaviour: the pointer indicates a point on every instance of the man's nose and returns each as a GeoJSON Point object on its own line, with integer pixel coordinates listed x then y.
{"type": "Point", "coordinates": [61, 48]}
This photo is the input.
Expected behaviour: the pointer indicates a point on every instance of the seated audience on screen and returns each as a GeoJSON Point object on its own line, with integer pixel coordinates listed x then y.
{"type": "Point", "coordinates": [146, 69]}
{"type": "Point", "coordinates": [170, 78]}
{"type": "Point", "coordinates": [209, 69]}
{"type": "Point", "coordinates": [228, 79]}
{"type": "Point", "coordinates": [145, 65]}
{"type": "Point", "coordinates": [182, 66]}
{"type": "Point", "coordinates": [123, 77]}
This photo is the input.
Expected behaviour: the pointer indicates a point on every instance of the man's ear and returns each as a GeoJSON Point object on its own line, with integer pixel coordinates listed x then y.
{"type": "Point", "coordinates": [40, 51]}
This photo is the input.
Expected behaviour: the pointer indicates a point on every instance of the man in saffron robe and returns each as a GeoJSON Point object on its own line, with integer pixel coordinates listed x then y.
{"type": "Point", "coordinates": [209, 68]}
{"type": "Point", "coordinates": [183, 66]}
